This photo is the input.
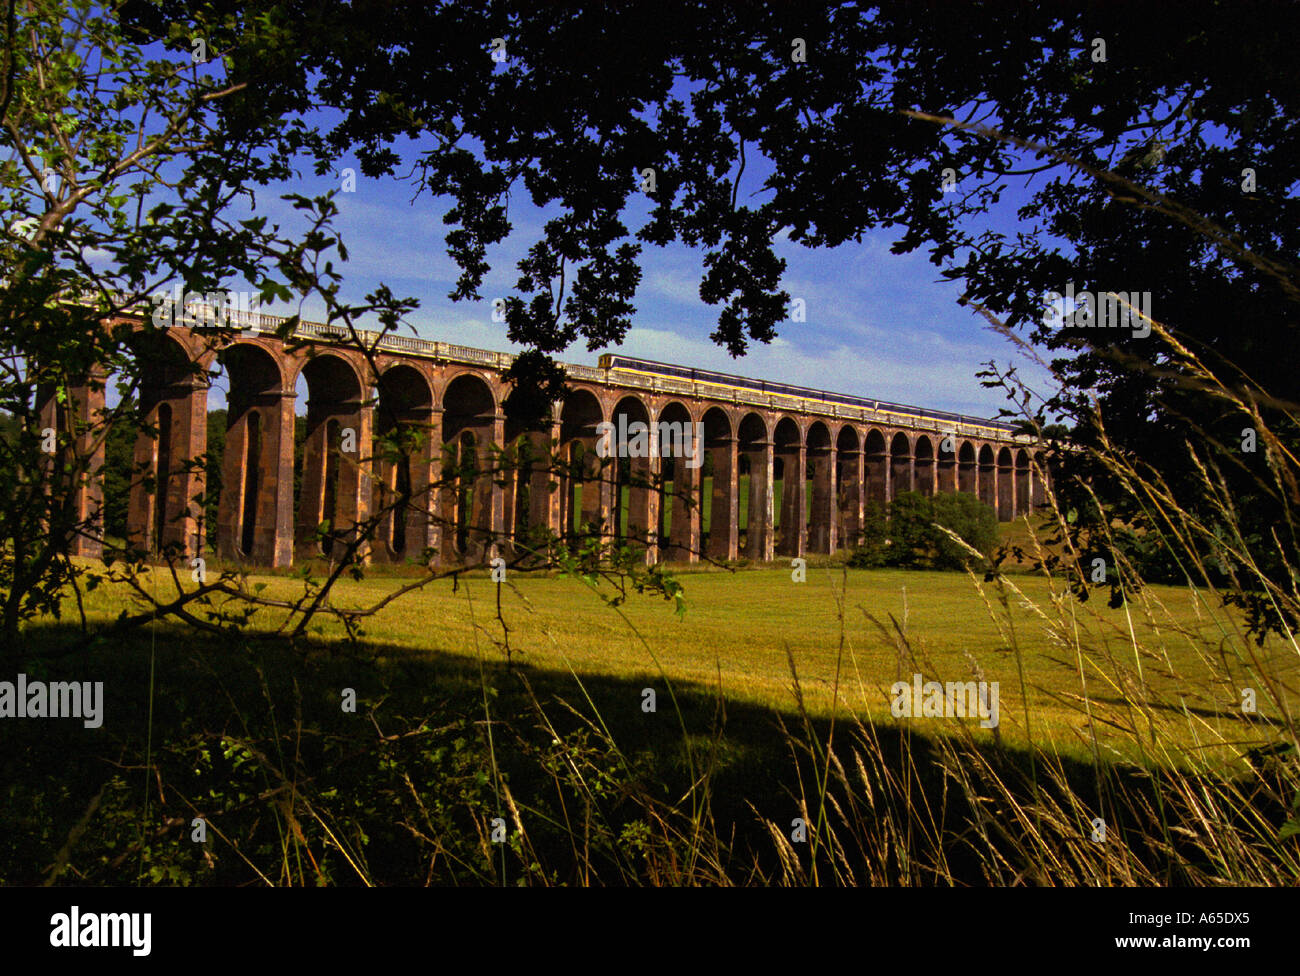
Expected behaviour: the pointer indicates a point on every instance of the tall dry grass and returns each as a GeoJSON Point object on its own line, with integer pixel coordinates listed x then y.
{"type": "Point", "coordinates": [1222, 810]}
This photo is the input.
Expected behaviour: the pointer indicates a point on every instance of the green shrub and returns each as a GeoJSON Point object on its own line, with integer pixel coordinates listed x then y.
{"type": "Point", "coordinates": [907, 536]}
{"type": "Point", "coordinates": [871, 550]}
{"type": "Point", "coordinates": [974, 521]}
{"type": "Point", "coordinates": [911, 538]}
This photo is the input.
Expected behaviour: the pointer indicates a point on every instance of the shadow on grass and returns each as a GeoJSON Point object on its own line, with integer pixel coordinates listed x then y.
{"type": "Point", "coordinates": [442, 761]}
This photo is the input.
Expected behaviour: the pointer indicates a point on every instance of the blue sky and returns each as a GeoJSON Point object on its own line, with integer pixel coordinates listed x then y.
{"type": "Point", "coordinates": [878, 324]}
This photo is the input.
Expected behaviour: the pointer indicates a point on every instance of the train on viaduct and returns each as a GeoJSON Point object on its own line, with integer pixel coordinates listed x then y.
{"type": "Point", "coordinates": [479, 486]}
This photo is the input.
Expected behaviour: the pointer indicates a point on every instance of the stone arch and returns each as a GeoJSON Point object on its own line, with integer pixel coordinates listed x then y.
{"type": "Point", "coordinates": [789, 452]}
{"type": "Point", "coordinates": [988, 477]}
{"type": "Point", "coordinates": [900, 465]}
{"type": "Point", "coordinates": [534, 503]}
{"type": "Point", "coordinates": [1040, 475]}
{"type": "Point", "coordinates": [946, 463]}
{"type": "Point", "coordinates": [584, 504]}
{"type": "Point", "coordinates": [405, 427]}
{"type": "Point", "coordinates": [580, 416]}
{"type": "Point", "coordinates": [470, 502]}
{"type": "Point", "coordinates": [77, 465]}
{"type": "Point", "coordinates": [163, 462]}
{"type": "Point", "coordinates": [468, 403]}
{"type": "Point", "coordinates": [966, 470]}
{"type": "Point", "coordinates": [923, 465]}
{"type": "Point", "coordinates": [849, 486]}
{"type": "Point", "coordinates": [876, 460]}
{"type": "Point", "coordinates": [635, 509]}
{"type": "Point", "coordinates": [1023, 479]}
{"type": "Point", "coordinates": [333, 500]}
{"type": "Point", "coordinates": [255, 514]}
{"type": "Point", "coordinates": [680, 505]}
{"type": "Point", "coordinates": [1006, 486]}
{"type": "Point", "coordinates": [167, 483]}
{"type": "Point", "coordinates": [754, 451]}
{"type": "Point", "coordinates": [821, 516]}
{"type": "Point", "coordinates": [723, 494]}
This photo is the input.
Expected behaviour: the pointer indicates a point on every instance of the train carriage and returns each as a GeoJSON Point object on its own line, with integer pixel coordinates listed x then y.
{"type": "Point", "coordinates": [648, 367]}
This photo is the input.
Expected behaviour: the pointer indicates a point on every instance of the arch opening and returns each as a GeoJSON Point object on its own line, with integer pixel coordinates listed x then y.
{"type": "Point", "coordinates": [791, 477]}
{"type": "Point", "coordinates": [252, 456]}
{"type": "Point", "coordinates": [876, 462]}
{"type": "Point", "coordinates": [946, 479]}
{"type": "Point", "coordinates": [164, 469]}
{"type": "Point", "coordinates": [1023, 477]}
{"type": "Point", "coordinates": [162, 501]}
{"type": "Point", "coordinates": [900, 466]}
{"type": "Point", "coordinates": [923, 466]}
{"type": "Point", "coordinates": [1006, 503]}
{"type": "Point", "coordinates": [405, 448]}
{"type": "Point", "coordinates": [821, 475]}
{"type": "Point", "coordinates": [850, 494]}
{"type": "Point", "coordinates": [255, 513]}
{"type": "Point", "coordinates": [755, 483]}
{"type": "Point", "coordinates": [472, 512]}
{"type": "Point", "coordinates": [966, 469]}
{"type": "Point", "coordinates": [681, 482]}
{"type": "Point", "coordinates": [988, 480]}
{"type": "Point", "coordinates": [585, 501]}
{"type": "Point", "coordinates": [634, 498]}
{"type": "Point", "coordinates": [720, 486]}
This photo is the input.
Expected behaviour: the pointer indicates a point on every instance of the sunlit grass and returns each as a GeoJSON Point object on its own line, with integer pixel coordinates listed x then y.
{"type": "Point", "coordinates": [741, 631]}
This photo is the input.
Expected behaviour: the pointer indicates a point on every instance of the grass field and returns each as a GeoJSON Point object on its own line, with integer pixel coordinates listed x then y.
{"type": "Point", "coordinates": [1129, 713]}
{"type": "Point", "coordinates": [849, 634]}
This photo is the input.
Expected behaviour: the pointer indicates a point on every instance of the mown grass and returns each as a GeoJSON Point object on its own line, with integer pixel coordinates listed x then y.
{"type": "Point", "coordinates": [841, 630]}
{"type": "Point", "coordinates": [556, 742]}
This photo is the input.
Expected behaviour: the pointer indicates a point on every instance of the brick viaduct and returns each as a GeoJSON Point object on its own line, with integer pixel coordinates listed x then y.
{"type": "Point", "coordinates": [469, 501]}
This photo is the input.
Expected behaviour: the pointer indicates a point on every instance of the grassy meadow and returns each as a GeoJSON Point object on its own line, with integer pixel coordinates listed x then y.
{"type": "Point", "coordinates": [516, 712]}
{"type": "Point", "coordinates": [847, 634]}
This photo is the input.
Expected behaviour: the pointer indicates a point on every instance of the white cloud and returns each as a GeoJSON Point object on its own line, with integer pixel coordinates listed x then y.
{"type": "Point", "coordinates": [878, 324]}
